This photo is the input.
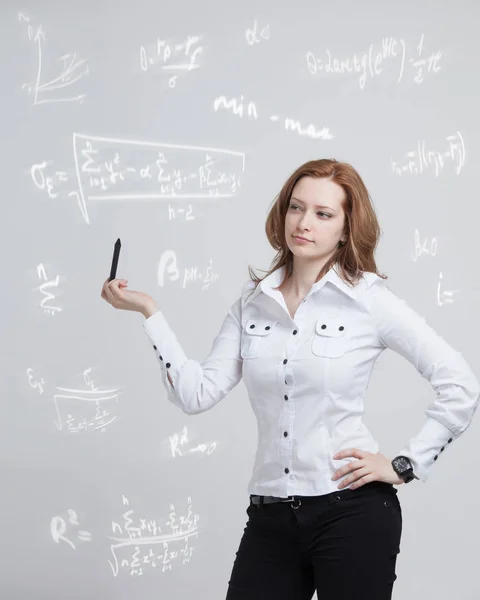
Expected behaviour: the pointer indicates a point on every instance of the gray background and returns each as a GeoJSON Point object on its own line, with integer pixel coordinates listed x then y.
{"type": "Point", "coordinates": [75, 72]}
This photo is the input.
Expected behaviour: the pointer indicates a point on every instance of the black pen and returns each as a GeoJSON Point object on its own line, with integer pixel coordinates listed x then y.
{"type": "Point", "coordinates": [116, 254]}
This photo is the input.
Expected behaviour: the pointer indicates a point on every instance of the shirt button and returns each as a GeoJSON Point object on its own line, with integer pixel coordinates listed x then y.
{"type": "Point", "coordinates": [285, 361]}
{"type": "Point", "coordinates": [167, 365]}
{"type": "Point", "coordinates": [435, 457]}
{"type": "Point", "coordinates": [341, 328]}
{"type": "Point", "coordinates": [160, 357]}
{"type": "Point", "coordinates": [286, 397]}
{"type": "Point", "coordinates": [442, 448]}
{"type": "Point", "coordinates": [287, 470]}
{"type": "Point", "coordinates": [324, 326]}
{"type": "Point", "coordinates": [285, 433]}
{"type": "Point", "coordinates": [154, 347]}
{"type": "Point", "coordinates": [294, 332]}
{"type": "Point", "coordinates": [450, 440]}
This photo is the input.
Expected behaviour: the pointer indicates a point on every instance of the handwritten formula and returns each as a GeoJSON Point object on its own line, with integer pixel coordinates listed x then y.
{"type": "Point", "coordinates": [422, 159]}
{"type": "Point", "coordinates": [168, 56]}
{"type": "Point", "coordinates": [239, 108]}
{"type": "Point", "coordinates": [370, 63]}
{"type": "Point", "coordinates": [135, 544]}
{"type": "Point", "coordinates": [80, 410]}
{"type": "Point", "coordinates": [168, 270]}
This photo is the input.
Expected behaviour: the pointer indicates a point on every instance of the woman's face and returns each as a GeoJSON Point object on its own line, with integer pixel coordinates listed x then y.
{"type": "Point", "coordinates": [315, 212]}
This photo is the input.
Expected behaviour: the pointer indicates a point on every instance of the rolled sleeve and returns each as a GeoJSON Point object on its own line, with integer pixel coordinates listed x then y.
{"type": "Point", "coordinates": [456, 387]}
{"type": "Point", "coordinates": [198, 386]}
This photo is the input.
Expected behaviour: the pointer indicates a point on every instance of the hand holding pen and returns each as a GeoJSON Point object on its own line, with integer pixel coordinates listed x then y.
{"type": "Point", "coordinates": [115, 293]}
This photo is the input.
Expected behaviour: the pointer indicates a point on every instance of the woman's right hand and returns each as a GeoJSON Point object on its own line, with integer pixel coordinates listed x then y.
{"type": "Point", "coordinates": [115, 293]}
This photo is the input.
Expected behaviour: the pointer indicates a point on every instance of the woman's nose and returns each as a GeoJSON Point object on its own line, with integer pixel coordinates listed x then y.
{"type": "Point", "coordinates": [305, 223]}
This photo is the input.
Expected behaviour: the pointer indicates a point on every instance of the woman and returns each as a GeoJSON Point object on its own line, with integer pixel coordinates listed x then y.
{"type": "Point", "coordinates": [324, 513]}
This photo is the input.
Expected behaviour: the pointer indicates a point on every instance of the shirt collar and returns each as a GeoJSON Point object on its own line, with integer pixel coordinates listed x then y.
{"type": "Point", "coordinates": [274, 280]}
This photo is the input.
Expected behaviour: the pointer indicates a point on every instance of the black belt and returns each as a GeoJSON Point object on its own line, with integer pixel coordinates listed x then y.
{"type": "Point", "coordinates": [296, 501]}
{"type": "Point", "coordinates": [261, 500]}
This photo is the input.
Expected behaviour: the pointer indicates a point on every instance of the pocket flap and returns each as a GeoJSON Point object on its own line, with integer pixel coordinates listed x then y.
{"type": "Point", "coordinates": [331, 326]}
{"type": "Point", "coordinates": [260, 326]}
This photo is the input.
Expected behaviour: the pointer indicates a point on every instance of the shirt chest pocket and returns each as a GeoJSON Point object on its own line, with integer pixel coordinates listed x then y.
{"type": "Point", "coordinates": [257, 337]}
{"type": "Point", "coordinates": [331, 337]}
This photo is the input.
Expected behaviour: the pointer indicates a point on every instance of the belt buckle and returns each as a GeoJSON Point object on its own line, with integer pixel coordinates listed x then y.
{"type": "Point", "coordinates": [296, 500]}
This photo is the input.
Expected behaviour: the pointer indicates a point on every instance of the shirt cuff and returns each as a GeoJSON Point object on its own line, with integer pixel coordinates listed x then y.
{"type": "Point", "coordinates": [167, 349]}
{"type": "Point", "coordinates": [425, 448]}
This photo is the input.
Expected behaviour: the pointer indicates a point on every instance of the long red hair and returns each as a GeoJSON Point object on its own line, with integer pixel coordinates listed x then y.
{"type": "Point", "coordinates": [361, 224]}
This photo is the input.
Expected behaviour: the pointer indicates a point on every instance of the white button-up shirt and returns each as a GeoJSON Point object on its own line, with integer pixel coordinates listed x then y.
{"type": "Point", "coordinates": [306, 377]}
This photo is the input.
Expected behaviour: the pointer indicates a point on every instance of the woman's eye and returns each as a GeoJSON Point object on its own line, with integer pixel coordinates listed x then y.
{"type": "Point", "coordinates": [320, 213]}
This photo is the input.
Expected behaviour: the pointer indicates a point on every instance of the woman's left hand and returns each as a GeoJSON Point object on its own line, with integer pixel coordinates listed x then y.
{"type": "Point", "coordinates": [369, 467]}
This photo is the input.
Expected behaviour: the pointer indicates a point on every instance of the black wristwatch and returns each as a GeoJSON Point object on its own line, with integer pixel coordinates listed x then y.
{"type": "Point", "coordinates": [403, 468]}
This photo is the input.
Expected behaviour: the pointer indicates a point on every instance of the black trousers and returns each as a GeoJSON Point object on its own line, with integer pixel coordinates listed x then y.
{"type": "Point", "coordinates": [343, 545]}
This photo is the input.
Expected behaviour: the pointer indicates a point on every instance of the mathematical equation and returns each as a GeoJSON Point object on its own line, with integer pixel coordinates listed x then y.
{"type": "Point", "coordinates": [114, 169]}
{"type": "Point", "coordinates": [163, 54]}
{"type": "Point", "coordinates": [136, 543]}
{"type": "Point", "coordinates": [80, 410]}
{"type": "Point", "coordinates": [168, 269]}
{"type": "Point", "coordinates": [369, 62]}
{"type": "Point", "coordinates": [105, 170]}
{"type": "Point", "coordinates": [424, 248]}
{"type": "Point", "coordinates": [51, 284]}
{"type": "Point", "coordinates": [421, 159]}
{"type": "Point", "coordinates": [179, 445]}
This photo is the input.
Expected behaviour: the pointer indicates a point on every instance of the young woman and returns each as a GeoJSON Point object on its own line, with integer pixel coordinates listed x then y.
{"type": "Point", "coordinates": [323, 513]}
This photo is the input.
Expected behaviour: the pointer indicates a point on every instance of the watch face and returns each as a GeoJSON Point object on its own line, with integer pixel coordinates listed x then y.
{"type": "Point", "coordinates": [402, 464]}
